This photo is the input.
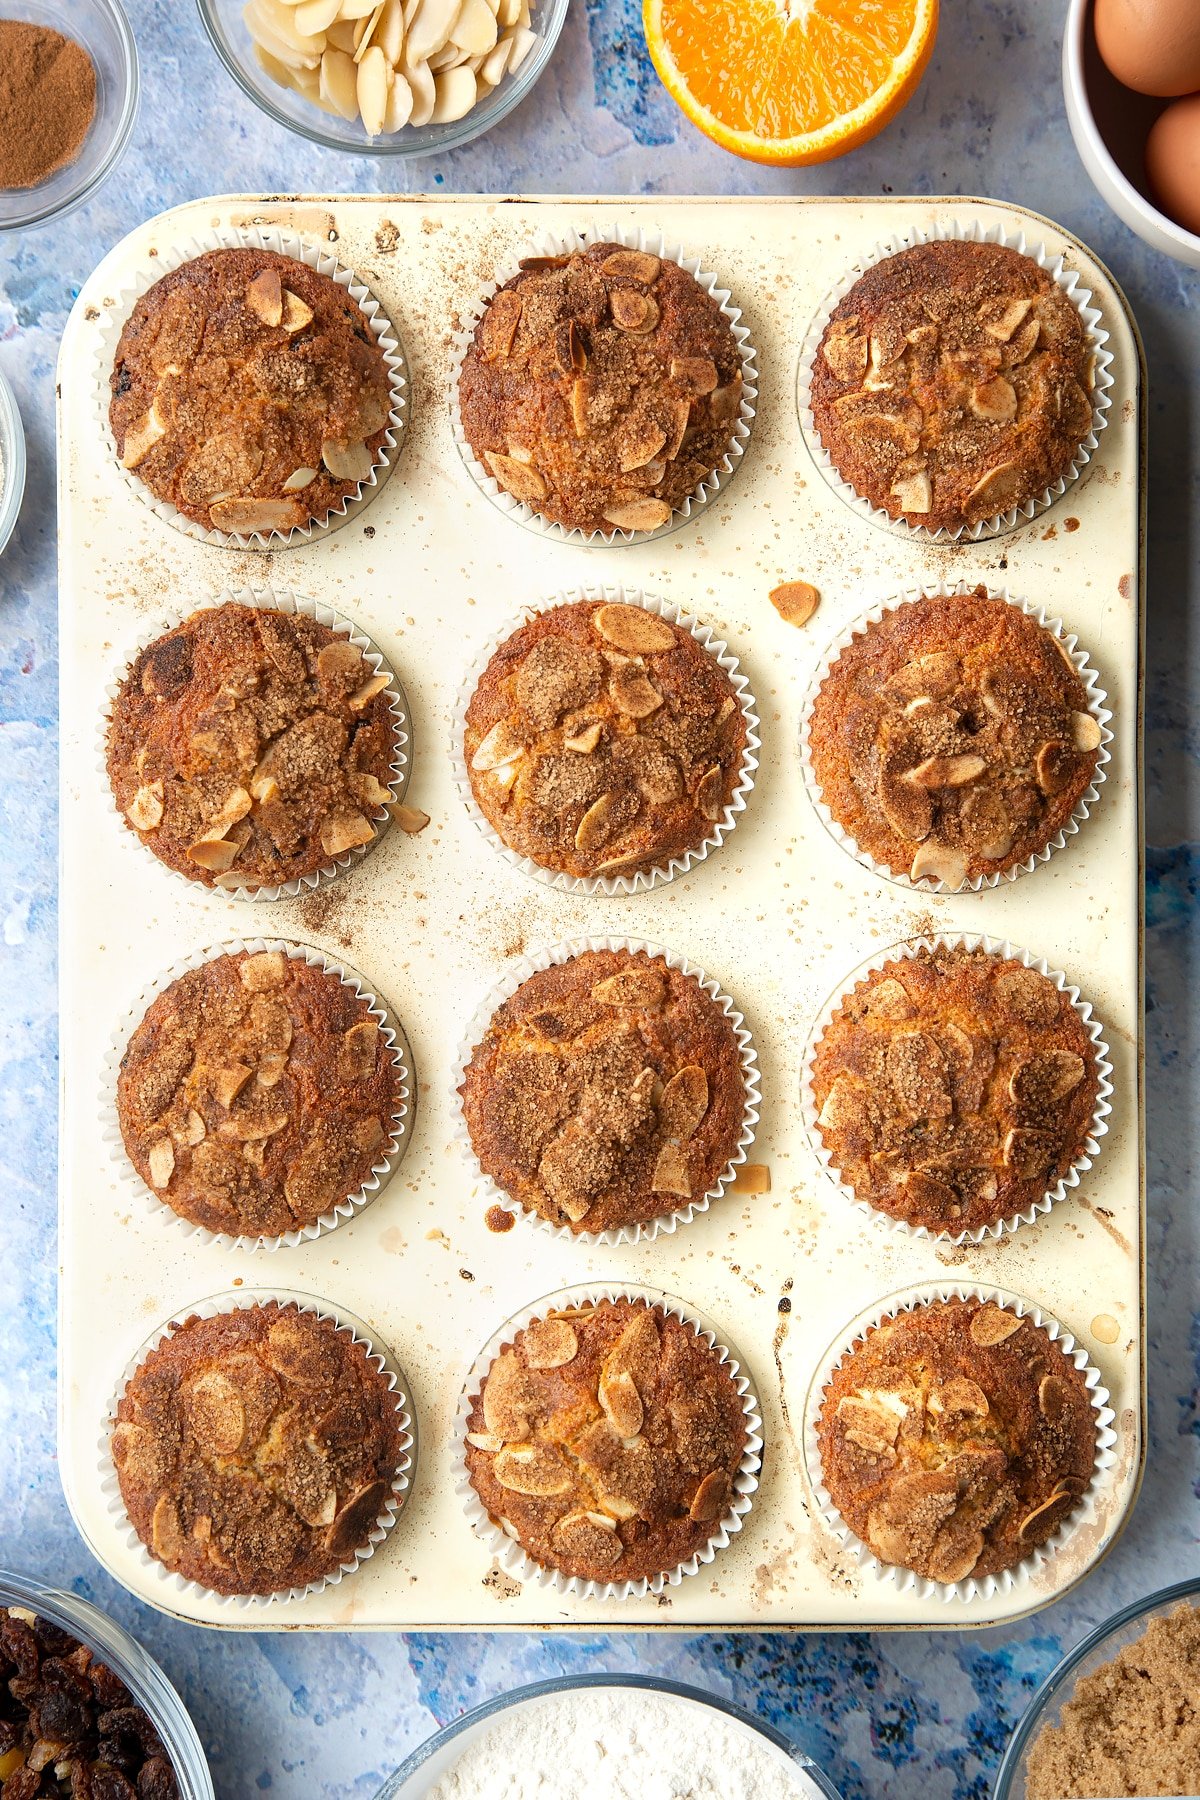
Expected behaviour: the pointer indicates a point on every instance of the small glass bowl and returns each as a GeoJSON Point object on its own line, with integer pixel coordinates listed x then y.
{"type": "Point", "coordinates": [12, 462]}
{"type": "Point", "coordinates": [431, 1760]}
{"type": "Point", "coordinates": [232, 41]}
{"type": "Point", "coordinates": [103, 30]}
{"type": "Point", "coordinates": [126, 1658]}
{"type": "Point", "coordinates": [1100, 1646]}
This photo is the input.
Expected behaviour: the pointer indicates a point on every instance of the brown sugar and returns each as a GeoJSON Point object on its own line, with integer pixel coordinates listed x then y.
{"type": "Point", "coordinates": [47, 102]}
{"type": "Point", "coordinates": [1131, 1727]}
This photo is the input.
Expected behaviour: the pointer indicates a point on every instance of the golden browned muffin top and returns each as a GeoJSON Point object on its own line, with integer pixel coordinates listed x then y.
{"type": "Point", "coordinates": [601, 388]}
{"type": "Point", "coordinates": [607, 1438]}
{"type": "Point", "coordinates": [248, 746]}
{"type": "Point", "coordinates": [953, 381]}
{"type": "Point", "coordinates": [602, 739]}
{"type": "Point", "coordinates": [249, 392]}
{"type": "Point", "coordinates": [255, 1450]}
{"type": "Point", "coordinates": [606, 1091]}
{"type": "Point", "coordinates": [256, 1094]}
{"type": "Point", "coordinates": [953, 738]}
{"type": "Point", "coordinates": [956, 1438]}
{"type": "Point", "coordinates": [954, 1088]}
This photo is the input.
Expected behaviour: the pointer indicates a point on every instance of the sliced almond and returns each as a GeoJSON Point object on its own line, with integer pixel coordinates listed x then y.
{"type": "Point", "coordinates": [400, 102]}
{"type": "Point", "coordinates": [710, 1499]}
{"type": "Point", "coordinates": [795, 601]}
{"type": "Point", "coordinates": [264, 297]}
{"type": "Point", "coordinates": [456, 90]}
{"type": "Point", "coordinates": [549, 1344]}
{"type": "Point", "coordinates": [263, 972]}
{"type": "Point", "coordinates": [141, 439]}
{"type": "Point", "coordinates": [245, 517]}
{"type": "Point", "coordinates": [1061, 1492]}
{"type": "Point", "coordinates": [584, 741]}
{"type": "Point", "coordinates": [638, 515]}
{"type": "Point", "coordinates": [145, 810]}
{"type": "Point", "coordinates": [1053, 767]}
{"type": "Point", "coordinates": [640, 446]}
{"type": "Point", "coordinates": [684, 1102]}
{"type": "Point", "coordinates": [913, 493]}
{"type": "Point", "coordinates": [217, 855]}
{"type": "Point", "coordinates": [166, 1532]}
{"type": "Point", "coordinates": [993, 1325]}
{"type": "Point", "coordinates": [633, 692]}
{"type": "Point", "coordinates": [161, 1158]}
{"type": "Point", "coordinates": [346, 831]}
{"type": "Point", "coordinates": [499, 325]}
{"type": "Point", "coordinates": [339, 83]}
{"type": "Point", "coordinates": [695, 375]}
{"type": "Point", "coordinates": [621, 1403]}
{"type": "Point", "coordinates": [1047, 1077]}
{"type": "Point", "coordinates": [631, 265]}
{"type": "Point", "coordinates": [228, 1083]}
{"type": "Point", "coordinates": [638, 986]}
{"type": "Point", "coordinates": [905, 805]}
{"type": "Point", "coordinates": [299, 479]}
{"type": "Point", "coordinates": [498, 746]}
{"type": "Point", "coordinates": [947, 771]}
{"type": "Point", "coordinates": [297, 313]}
{"type": "Point", "coordinates": [410, 819]}
{"type": "Point", "coordinates": [485, 1440]}
{"type": "Point", "coordinates": [844, 348]}
{"type": "Point", "coordinates": [369, 790]}
{"type": "Point", "coordinates": [998, 488]}
{"type": "Point", "coordinates": [633, 310]}
{"type": "Point", "coordinates": [535, 1469]}
{"type": "Point", "coordinates": [595, 824]}
{"type": "Point", "coordinates": [580, 393]}
{"type": "Point", "coordinates": [345, 461]}
{"type": "Point", "coordinates": [1002, 325]}
{"type": "Point", "coordinates": [1052, 1398]}
{"type": "Point", "coordinates": [710, 793]}
{"type": "Point", "coordinates": [671, 1173]}
{"type": "Point", "coordinates": [521, 481]}
{"type": "Point", "coordinates": [994, 401]}
{"type": "Point", "coordinates": [475, 28]}
{"type": "Point", "coordinates": [633, 628]}
{"type": "Point", "coordinates": [937, 862]}
{"type": "Point", "coordinates": [1085, 731]}
{"type": "Point", "coordinates": [374, 685]}
{"type": "Point", "coordinates": [429, 28]}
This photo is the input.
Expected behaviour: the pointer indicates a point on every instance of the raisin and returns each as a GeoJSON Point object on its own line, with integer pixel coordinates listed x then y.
{"type": "Point", "coordinates": [156, 1780]}
{"type": "Point", "coordinates": [123, 382]}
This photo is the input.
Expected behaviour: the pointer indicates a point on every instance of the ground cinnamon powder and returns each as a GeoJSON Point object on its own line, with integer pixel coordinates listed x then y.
{"type": "Point", "coordinates": [1131, 1727]}
{"type": "Point", "coordinates": [47, 101]}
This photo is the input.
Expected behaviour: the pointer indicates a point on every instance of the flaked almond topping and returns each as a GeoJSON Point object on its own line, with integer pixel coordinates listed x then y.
{"type": "Point", "coordinates": [710, 1499]}
{"type": "Point", "coordinates": [695, 375]}
{"type": "Point", "coordinates": [518, 479]}
{"type": "Point", "coordinates": [633, 692]}
{"type": "Point", "coordinates": [1085, 731]}
{"type": "Point", "coordinates": [499, 326]}
{"type": "Point", "coordinates": [216, 1413]}
{"type": "Point", "coordinates": [710, 793]}
{"type": "Point", "coordinates": [684, 1102]}
{"type": "Point", "coordinates": [1052, 1398]}
{"type": "Point", "coordinates": [341, 662]}
{"type": "Point", "coordinates": [264, 297]}
{"type": "Point", "coordinates": [638, 515]}
{"type": "Point", "coordinates": [580, 391]}
{"type": "Point", "coordinates": [145, 810]}
{"type": "Point", "coordinates": [247, 516]}
{"type": "Point", "coordinates": [345, 831]}
{"type": "Point", "coordinates": [725, 402]}
{"type": "Point", "coordinates": [1053, 767]}
{"type": "Point", "coordinates": [640, 445]}
{"type": "Point", "coordinates": [906, 805]}
{"type": "Point", "coordinates": [995, 401]}
{"type": "Point", "coordinates": [549, 1343]}
{"type": "Point", "coordinates": [166, 1533]}
{"type": "Point", "coordinates": [913, 493]}
{"type": "Point", "coordinates": [993, 1325]}
{"type": "Point", "coordinates": [961, 1396]}
{"type": "Point", "coordinates": [498, 746]}
{"type": "Point", "coordinates": [595, 825]}
{"type": "Point", "coordinates": [262, 971]}
{"type": "Point", "coordinates": [363, 696]}
{"type": "Point", "coordinates": [631, 265]}
{"type": "Point", "coordinates": [584, 741]}
{"type": "Point", "coordinates": [1047, 1077]}
{"type": "Point", "coordinates": [576, 1207]}
{"type": "Point", "coordinates": [161, 1158]}
{"type": "Point", "coordinates": [842, 1105]}
{"type": "Point", "coordinates": [871, 1418]}
{"type": "Point", "coordinates": [632, 987]}
{"type": "Point", "coordinates": [998, 488]}
{"type": "Point", "coordinates": [1002, 325]}
{"type": "Point", "coordinates": [634, 629]}
{"type": "Point", "coordinates": [937, 862]}
{"type": "Point", "coordinates": [1061, 1492]}
{"type": "Point", "coordinates": [888, 999]}
{"type": "Point", "coordinates": [217, 855]}
{"type": "Point", "coordinates": [845, 350]}
{"type": "Point", "coordinates": [795, 601]}
{"type": "Point", "coordinates": [947, 771]}
{"type": "Point", "coordinates": [367, 788]}
{"type": "Point", "coordinates": [633, 310]}
{"type": "Point", "coordinates": [536, 1469]}
{"type": "Point", "coordinates": [485, 1440]}
{"type": "Point", "coordinates": [621, 1403]}
{"type": "Point", "coordinates": [346, 461]}
{"type": "Point", "coordinates": [194, 1129]}
{"type": "Point", "coordinates": [141, 439]}
{"type": "Point", "coordinates": [671, 1173]}
{"type": "Point", "coordinates": [228, 1083]}
{"type": "Point", "coordinates": [298, 479]}
{"type": "Point", "coordinates": [296, 313]}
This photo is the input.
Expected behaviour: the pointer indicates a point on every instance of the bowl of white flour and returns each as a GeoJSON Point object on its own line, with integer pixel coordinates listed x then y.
{"type": "Point", "coordinates": [609, 1737]}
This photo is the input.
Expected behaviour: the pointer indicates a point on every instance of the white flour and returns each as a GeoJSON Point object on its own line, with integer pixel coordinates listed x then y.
{"type": "Point", "coordinates": [619, 1744]}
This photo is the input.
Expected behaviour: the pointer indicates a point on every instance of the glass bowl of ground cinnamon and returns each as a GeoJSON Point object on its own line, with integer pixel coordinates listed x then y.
{"type": "Point", "coordinates": [68, 98]}
{"type": "Point", "coordinates": [1120, 1715]}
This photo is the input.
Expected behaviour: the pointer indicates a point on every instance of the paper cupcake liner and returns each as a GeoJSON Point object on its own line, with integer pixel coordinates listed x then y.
{"type": "Point", "coordinates": [644, 879]}
{"type": "Point", "coordinates": [654, 243]}
{"type": "Point", "coordinates": [985, 1587]}
{"type": "Point", "coordinates": [382, 1169]}
{"type": "Point", "coordinates": [646, 1230]}
{"type": "Point", "coordinates": [1096, 704]}
{"type": "Point", "coordinates": [241, 1300]}
{"type": "Point", "coordinates": [507, 1551]}
{"type": "Point", "coordinates": [999, 948]}
{"type": "Point", "coordinates": [972, 232]}
{"type": "Point", "coordinates": [264, 237]}
{"type": "Point", "coordinates": [285, 601]}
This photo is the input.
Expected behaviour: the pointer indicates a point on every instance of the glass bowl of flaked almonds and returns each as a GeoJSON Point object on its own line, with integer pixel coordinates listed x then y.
{"type": "Point", "coordinates": [385, 77]}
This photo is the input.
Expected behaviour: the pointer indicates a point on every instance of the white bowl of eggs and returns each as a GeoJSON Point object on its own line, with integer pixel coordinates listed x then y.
{"type": "Point", "coordinates": [1131, 72]}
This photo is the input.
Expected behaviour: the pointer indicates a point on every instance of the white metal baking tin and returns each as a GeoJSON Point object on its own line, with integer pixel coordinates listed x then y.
{"type": "Point", "coordinates": [778, 915]}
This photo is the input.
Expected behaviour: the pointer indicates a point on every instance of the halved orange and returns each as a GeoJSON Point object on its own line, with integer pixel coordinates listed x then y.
{"type": "Point", "coordinates": [790, 81]}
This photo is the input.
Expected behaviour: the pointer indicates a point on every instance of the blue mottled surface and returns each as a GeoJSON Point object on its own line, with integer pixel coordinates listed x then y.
{"type": "Point", "coordinates": [319, 1717]}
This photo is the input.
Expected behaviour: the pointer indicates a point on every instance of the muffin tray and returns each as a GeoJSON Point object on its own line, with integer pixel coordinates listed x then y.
{"type": "Point", "coordinates": [779, 915]}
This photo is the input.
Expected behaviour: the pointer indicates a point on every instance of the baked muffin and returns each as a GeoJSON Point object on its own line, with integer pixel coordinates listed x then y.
{"type": "Point", "coordinates": [956, 1438]}
{"type": "Point", "coordinates": [953, 382]}
{"type": "Point", "coordinates": [256, 1450]}
{"type": "Point", "coordinates": [257, 1093]}
{"type": "Point", "coordinates": [603, 740]}
{"type": "Point", "coordinates": [954, 1088]}
{"type": "Point", "coordinates": [606, 1439]}
{"type": "Point", "coordinates": [249, 747]}
{"type": "Point", "coordinates": [601, 388]}
{"type": "Point", "coordinates": [952, 740]}
{"type": "Point", "coordinates": [608, 1090]}
{"type": "Point", "coordinates": [249, 392]}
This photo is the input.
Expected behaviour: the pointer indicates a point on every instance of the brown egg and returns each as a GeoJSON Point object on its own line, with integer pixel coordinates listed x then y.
{"type": "Point", "coordinates": [1173, 161]}
{"type": "Point", "coordinates": [1151, 45]}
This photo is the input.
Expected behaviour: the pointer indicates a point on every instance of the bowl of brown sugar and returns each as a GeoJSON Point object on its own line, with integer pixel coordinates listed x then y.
{"type": "Point", "coordinates": [1120, 1715]}
{"type": "Point", "coordinates": [68, 98]}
